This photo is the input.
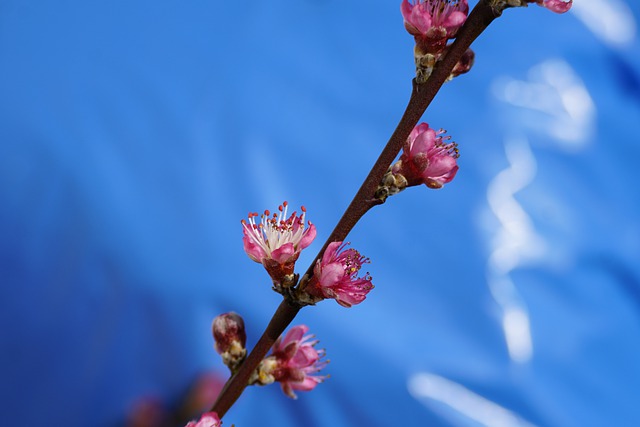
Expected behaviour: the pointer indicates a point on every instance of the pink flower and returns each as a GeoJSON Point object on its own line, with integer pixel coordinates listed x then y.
{"type": "Point", "coordinates": [335, 276]}
{"type": "Point", "coordinates": [277, 240]}
{"type": "Point", "coordinates": [557, 6]}
{"type": "Point", "coordinates": [209, 419]}
{"type": "Point", "coordinates": [432, 22]}
{"type": "Point", "coordinates": [294, 360]}
{"type": "Point", "coordinates": [426, 158]}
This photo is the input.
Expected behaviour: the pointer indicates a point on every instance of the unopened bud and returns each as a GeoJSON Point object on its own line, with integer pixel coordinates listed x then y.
{"type": "Point", "coordinates": [230, 339]}
{"type": "Point", "coordinates": [464, 64]}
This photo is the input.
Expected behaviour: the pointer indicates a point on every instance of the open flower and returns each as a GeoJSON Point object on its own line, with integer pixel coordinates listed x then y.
{"type": "Point", "coordinates": [209, 419]}
{"type": "Point", "coordinates": [433, 22]}
{"type": "Point", "coordinates": [277, 240]}
{"type": "Point", "coordinates": [293, 363]}
{"type": "Point", "coordinates": [427, 158]}
{"type": "Point", "coordinates": [336, 276]}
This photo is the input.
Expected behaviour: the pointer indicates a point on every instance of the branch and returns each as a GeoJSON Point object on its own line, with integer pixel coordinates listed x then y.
{"type": "Point", "coordinates": [421, 96]}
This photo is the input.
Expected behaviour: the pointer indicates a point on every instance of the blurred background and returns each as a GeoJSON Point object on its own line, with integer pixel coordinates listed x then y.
{"type": "Point", "coordinates": [134, 137]}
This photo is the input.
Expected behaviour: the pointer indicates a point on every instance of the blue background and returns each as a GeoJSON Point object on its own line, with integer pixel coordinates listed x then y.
{"type": "Point", "coordinates": [134, 137]}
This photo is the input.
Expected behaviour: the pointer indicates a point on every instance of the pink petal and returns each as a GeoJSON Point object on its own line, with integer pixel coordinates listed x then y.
{"type": "Point", "coordinates": [330, 252]}
{"type": "Point", "coordinates": [305, 356]}
{"type": "Point", "coordinates": [441, 165]}
{"type": "Point", "coordinates": [557, 6]}
{"type": "Point", "coordinates": [295, 334]}
{"type": "Point", "coordinates": [455, 19]}
{"type": "Point", "coordinates": [405, 9]}
{"type": "Point", "coordinates": [209, 419]}
{"type": "Point", "coordinates": [348, 299]}
{"type": "Point", "coordinates": [422, 127]}
{"type": "Point", "coordinates": [254, 251]}
{"type": "Point", "coordinates": [420, 19]}
{"type": "Point", "coordinates": [309, 383]}
{"type": "Point", "coordinates": [331, 274]}
{"type": "Point", "coordinates": [423, 142]}
{"type": "Point", "coordinates": [307, 236]}
{"type": "Point", "coordinates": [283, 253]}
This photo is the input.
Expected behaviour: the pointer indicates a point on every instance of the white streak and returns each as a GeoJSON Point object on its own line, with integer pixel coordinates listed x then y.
{"type": "Point", "coordinates": [514, 243]}
{"type": "Point", "coordinates": [554, 100]}
{"type": "Point", "coordinates": [433, 390]}
{"type": "Point", "coordinates": [610, 20]}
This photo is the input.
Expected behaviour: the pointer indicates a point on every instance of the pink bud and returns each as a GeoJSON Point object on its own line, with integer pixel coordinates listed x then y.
{"type": "Point", "coordinates": [230, 338]}
{"type": "Point", "coordinates": [464, 63]}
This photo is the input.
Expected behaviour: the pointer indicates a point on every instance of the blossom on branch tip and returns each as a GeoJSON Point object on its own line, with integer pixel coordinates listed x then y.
{"type": "Point", "coordinates": [293, 363]}
{"type": "Point", "coordinates": [427, 158]}
{"type": "Point", "coordinates": [433, 22]}
{"type": "Point", "coordinates": [336, 276]}
{"type": "Point", "coordinates": [209, 419]}
{"type": "Point", "coordinates": [277, 240]}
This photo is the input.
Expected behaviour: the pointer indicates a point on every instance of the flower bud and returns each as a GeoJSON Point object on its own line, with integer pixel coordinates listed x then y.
{"type": "Point", "coordinates": [464, 64]}
{"type": "Point", "coordinates": [230, 339]}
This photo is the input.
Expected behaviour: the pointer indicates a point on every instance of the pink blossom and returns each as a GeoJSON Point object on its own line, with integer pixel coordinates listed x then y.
{"type": "Point", "coordinates": [432, 22]}
{"type": "Point", "coordinates": [427, 158]}
{"type": "Point", "coordinates": [557, 6]}
{"type": "Point", "coordinates": [277, 240]}
{"type": "Point", "coordinates": [296, 361]}
{"type": "Point", "coordinates": [335, 276]}
{"type": "Point", "coordinates": [209, 419]}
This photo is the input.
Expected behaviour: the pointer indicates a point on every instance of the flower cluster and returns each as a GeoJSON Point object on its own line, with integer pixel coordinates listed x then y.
{"type": "Point", "coordinates": [336, 276]}
{"type": "Point", "coordinates": [276, 243]}
{"type": "Point", "coordinates": [433, 23]}
{"type": "Point", "coordinates": [277, 240]}
{"type": "Point", "coordinates": [293, 363]}
{"type": "Point", "coordinates": [209, 419]}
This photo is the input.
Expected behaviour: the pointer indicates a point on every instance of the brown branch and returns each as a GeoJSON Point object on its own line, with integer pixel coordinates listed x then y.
{"type": "Point", "coordinates": [232, 390]}
{"type": "Point", "coordinates": [421, 96]}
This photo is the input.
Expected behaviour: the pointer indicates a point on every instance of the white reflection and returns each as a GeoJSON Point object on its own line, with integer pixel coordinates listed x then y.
{"type": "Point", "coordinates": [610, 20]}
{"type": "Point", "coordinates": [476, 410]}
{"type": "Point", "coordinates": [515, 242]}
{"type": "Point", "coordinates": [556, 91]}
